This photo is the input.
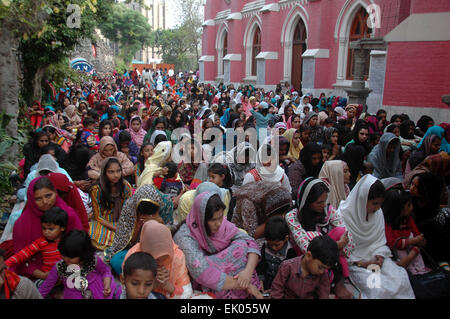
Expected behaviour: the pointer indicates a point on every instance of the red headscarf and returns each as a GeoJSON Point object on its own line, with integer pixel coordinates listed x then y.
{"type": "Point", "coordinates": [28, 228]}
{"type": "Point", "coordinates": [71, 197]}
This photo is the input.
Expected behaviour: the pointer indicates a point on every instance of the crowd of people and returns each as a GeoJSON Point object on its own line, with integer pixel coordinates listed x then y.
{"type": "Point", "coordinates": [328, 196]}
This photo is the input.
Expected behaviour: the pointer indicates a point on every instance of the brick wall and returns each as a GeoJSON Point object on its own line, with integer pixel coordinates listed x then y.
{"type": "Point", "coordinates": [417, 74]}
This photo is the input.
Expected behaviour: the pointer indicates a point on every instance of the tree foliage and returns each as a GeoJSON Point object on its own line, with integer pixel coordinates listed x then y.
{"type": "Point", "coordinates": [129, 28]}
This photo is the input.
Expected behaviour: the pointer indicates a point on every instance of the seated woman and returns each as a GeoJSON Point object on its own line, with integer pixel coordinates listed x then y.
{"type": "Point", "coordinates": [336, 175]}
{"type": "Point", "coordinates": [108, 197]}
{"type": "Point", "coordinates": [172, 279]}
{"type": "Point", "coordinates": [363, 217]}
{"type": "Point", "coordinates": [314, 216]}
{"type": "Point", "coordinates": [219, 257]}
{"type": "Point", "coordinates": [428, 193]}
{"type": "Point", "coordinates": [255, 203]}
{"type": "Point", "coordinates": [385, 157]}
{"type": "Point", "coordinates": [309, 164]}
{"type": "Point", "coordinates": [75, 165]}
{"type": "Point", "coordinates": [267, 169]}
{"type": "Point", "coordinates": [42, 196]}
{"type": "Point", "coordinates": [429, 145]}
{"type": "Point", "coordinates": [108, 148]}
{"type": "Point", "coordinates": [145, 204]}
{"type": "Point", "coordinates": [295, 146]}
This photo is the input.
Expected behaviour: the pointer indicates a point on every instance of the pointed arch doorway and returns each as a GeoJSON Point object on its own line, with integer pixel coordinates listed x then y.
{"type": "Point", "coordinates": [298, 48]}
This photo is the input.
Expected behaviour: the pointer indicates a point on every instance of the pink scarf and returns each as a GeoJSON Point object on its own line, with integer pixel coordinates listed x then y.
{"type": "Point", "coordinates": [196, 221]}
{"type": "Point", "coordinates": [137, 137]}
{"type": "Point", "coordinates": [28, 227]}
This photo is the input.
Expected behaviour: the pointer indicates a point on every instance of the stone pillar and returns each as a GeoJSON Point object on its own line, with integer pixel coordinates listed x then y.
{"type": "Point", "coordinates": [357, 93]}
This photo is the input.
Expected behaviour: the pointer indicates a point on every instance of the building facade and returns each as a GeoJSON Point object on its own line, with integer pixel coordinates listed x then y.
{"type": "Point", "coordinates": [156, 12]}
{"type": "Point", "coordinates": [306, 43]}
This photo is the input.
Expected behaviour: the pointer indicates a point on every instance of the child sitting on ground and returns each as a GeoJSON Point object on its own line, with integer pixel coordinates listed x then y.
{"type": "Point", "coordinates": [402, 234]}
{"type": "Point", "coordinates": [168, 181]}
{"type": "Point", "coordinates": [139, 276]}
{"type": "Point", "coordinates": [54, 222]}
{"type": "Point", "coordinates": [306, 277]}
{"type": "Point", "coordinates": [84, 275]}
{"type": "Point", "coordinates": [275, 250]}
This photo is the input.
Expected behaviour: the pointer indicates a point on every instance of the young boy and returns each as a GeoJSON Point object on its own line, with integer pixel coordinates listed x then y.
{"type": "Point", "coordinates": [88, 137]}
{"type": "Point", "coordinates": [306, 277]}
{"type": "Point", "coordinates": [169, 184]}
{"type": "Point", "coordinates": [138, 277]}
{"type": "Point", "coordinates": [275, 250]}
{"type": "Point", "coordinates": [54, 222]}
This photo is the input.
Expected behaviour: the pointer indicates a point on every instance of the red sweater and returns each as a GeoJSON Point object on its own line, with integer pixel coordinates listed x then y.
{"type": "Point", "coordinates": [50, 254]}
{"type": "Point", "coordinates": [404, 231]}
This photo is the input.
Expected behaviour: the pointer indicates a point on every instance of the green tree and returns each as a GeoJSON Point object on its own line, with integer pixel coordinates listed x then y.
{"type": "Point", "coordinates": [57, 38]}
{"type": "Point", "coordinates": [129, 28]}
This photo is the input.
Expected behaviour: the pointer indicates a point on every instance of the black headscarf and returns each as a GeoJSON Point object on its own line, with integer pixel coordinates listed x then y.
{"type": "Point", "coordinates": [306, 158]}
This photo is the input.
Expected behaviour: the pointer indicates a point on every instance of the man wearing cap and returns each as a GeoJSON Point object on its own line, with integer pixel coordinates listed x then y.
{"type": "Point", "coordinates": [262, 119]}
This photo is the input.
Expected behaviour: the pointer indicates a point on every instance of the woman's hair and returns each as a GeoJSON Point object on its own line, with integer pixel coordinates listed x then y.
{"type": "Point", "coordinates": [276, 229]}
{"type": "Point", "coordinates": [111, 111]}
{"type": "Point", "coordinates": [404, 129]}
{"type": "Point", "coordinates": [102, 125]}
{"type": "Point", "coordinates": [422, 123]}
{"type": "Point", "coordinates": [394, 202]}
{"type": "Point", "coordinates": [37, 136]}
{"type": "Point", "coordinates": [129, 111]}
{"type": "Point", "coordinates": [146, 207]}
{"type": "Point", "coordinates": [307, 217]}
{"type": "Point", "coordinates": [222, 169]}
{"type": "Point", "coordinates": [430, 187]}
{"type": "Point", "coordinates": [214, 204]}
{"type": "Point", "coordinates": [377, 190]}
{"type": "Point", "coordinates": [140, 158]}
{"type": "Point", "coordinates": [391, 127]}
{"type": "Point", "coordinates": [160, 120]}
{"type": "Point", "coordinates": [395, 117]}
{"type": "Point", "coordinates": [139, 260]}
{"type": "Point", "coordinates": [173, 118]}
{"type": "Point", "coordinates": [49, 129]}
{"type": "Point", "coordinates": [77, 243]}
{"type": "Point", "coordinates": [43, 182]}
{"type": "Point", "coordinates": [88, 121]}
{"type": "Point", "coordinates": [56, 216]}
{"type": "Point", "coordinates": [106, 193]}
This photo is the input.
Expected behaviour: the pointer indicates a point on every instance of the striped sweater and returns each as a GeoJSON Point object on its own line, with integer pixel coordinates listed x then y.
{"type": "Point", "coordinates": [49, 250]}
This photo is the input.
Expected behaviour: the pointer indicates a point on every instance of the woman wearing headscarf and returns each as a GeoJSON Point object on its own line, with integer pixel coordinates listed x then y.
{"type": "Point", "coordinates": [108, 148]}
{"type": "Point", "coordinates": [429, 145]}
{"type": "Point", "coordinates": [314, 216]}
{"type": "Point", "coordinates": [423, 124]}
{"type": "Point", "coordinates": [438, 164]}
{"type": "Point", "coordinates": [240, 160]}
{"type": "Point", "coordinates": [295, 145]}
{"type": "Point", "coordinates": [363, 217]}
{"type": "Point", "coordinates": [268, 169]}
{"type": "Point", "coordinates": [172, 279]}
{"type": "Point", "coordinates": [305, 101]}
{"type": "Point", "coordinates": [312, 120]}
{"type": "Point", "coordinates": [136, 131]}
{"type": "Point", "coordinates": [385, 157]}
{"type": "Point", "coordinates": [336, 175]}
{"type": "Point", "coordinates": [108, 197]}
{"type": "Point", "coordinates": [309, 164]}
{"type": "Point", "coordinates": [220, 258]}
{"type": "Point", "coordinates": [71, 195]}
{"type": "Point", "coordinates": [42, 196]}
{"type": "Point", "coordinates": [74, 119]}
{"type": "Point", "coordinates": [131, 220]}
{"type": "Point", "coordinates": [408, 140]}
{"type": "Point", "coordinates": [187, 200]}
{"type": "Point", "coordinates": [439, 132]}
{"type": "Point", "coordinates": [256, 203]}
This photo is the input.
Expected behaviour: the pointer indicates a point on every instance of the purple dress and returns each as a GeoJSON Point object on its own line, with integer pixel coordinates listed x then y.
{"type": "Point", "coordinates": [95, 280]}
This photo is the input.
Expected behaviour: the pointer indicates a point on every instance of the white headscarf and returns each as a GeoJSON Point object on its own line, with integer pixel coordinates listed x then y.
{"type": "Point", "coordinates": [367, 229]}
{"type": "Point", "coordinates": [238, 97]}
{"type": "Point", "coordinates": [268, 174]}
{"type": "Point", "coordinates": [281, 110]}
{"type": "Point", "coordinates": [332, 173]}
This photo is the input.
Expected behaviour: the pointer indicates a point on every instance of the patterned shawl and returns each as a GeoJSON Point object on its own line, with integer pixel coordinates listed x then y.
{"type": "Point", "coordinates": [137, 137]}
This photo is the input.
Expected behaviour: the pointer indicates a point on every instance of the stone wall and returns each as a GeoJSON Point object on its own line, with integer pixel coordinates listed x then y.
{"type": "Point", "coordinates": [103, 62]}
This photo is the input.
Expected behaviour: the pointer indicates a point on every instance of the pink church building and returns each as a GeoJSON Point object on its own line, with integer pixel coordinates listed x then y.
{"type": "Point", "coordinates": [306, 43]}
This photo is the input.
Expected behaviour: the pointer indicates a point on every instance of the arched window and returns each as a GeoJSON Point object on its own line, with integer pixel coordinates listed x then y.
{"type": "Point", "coordinates": [358, 30]}
{"type": "Point", "coordinates": [225, 50]}
{"type": "Point", "coordinates": [298, 48]}
{"type": "Point", "coordinates": [256, 49]}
